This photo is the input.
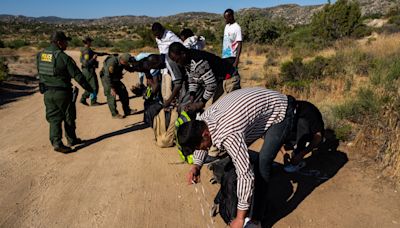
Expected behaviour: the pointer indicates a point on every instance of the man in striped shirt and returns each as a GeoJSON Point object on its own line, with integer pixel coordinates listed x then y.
{"type": "Point", "coordinates": [204, 70]}
{"type": "Point", "coordinates": [232, 124]}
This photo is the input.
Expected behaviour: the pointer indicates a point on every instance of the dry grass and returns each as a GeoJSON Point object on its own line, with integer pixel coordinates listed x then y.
{"type": "Point", "coordinates": [384, 45]}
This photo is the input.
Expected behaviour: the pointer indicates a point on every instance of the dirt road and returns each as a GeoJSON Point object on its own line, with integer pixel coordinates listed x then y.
{"type": "Point", "coordinates": [121, 179]}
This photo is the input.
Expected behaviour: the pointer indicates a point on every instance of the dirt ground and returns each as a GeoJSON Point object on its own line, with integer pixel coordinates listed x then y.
{"type": "Point", "coordinates": [121, 179]}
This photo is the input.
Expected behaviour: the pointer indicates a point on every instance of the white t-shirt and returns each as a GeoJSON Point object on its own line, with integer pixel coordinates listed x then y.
{"type": "Point", "coordinates": [167, 39]}
{"type": "Point", "coordinates": [232, 35]}
{"type": "Point", "coordinates": [195, 42]}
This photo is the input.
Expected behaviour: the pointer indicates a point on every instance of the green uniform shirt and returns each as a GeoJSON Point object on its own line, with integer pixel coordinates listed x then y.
{"type": "Point", "coordinates": [112, 70]}
{"type": "Point", "coordinates": [87, 58]}
{"type": "Point", "coordinates": [65, 69]}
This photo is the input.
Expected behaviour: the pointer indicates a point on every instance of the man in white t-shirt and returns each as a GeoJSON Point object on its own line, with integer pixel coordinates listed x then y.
{"type": "Point", "coordinates": [232, 43]}
{"type": "Point", "coordinates": [164, 38]}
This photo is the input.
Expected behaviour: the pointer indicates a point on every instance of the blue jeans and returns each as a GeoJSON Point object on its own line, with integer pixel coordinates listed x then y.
{"type": "Point", "coordinates": [274, 138]}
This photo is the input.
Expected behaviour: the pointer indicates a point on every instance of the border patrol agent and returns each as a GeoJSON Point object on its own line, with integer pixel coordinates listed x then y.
{"type": "Point", "coordinates": [111, 76]}
{"type": "Point", "coordinates": [89, 63]}
{"type": "Point", "coordinates": [55, 70]}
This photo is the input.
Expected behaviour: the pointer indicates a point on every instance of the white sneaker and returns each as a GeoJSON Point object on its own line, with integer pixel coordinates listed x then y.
{"type": "Point", "coordinates": [250, 224]}
{"type": "Point", "coordinates": [294, 168]}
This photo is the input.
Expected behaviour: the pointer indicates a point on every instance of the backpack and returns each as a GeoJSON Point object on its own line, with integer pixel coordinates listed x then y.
{"type": "Point", "coordinates": [164, 128]}
{"type": "Point", "coordinates": [226, 199]}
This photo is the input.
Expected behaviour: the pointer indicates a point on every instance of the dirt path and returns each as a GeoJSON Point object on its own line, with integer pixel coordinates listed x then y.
{"type": "Point", "coordinates": [123, 180]}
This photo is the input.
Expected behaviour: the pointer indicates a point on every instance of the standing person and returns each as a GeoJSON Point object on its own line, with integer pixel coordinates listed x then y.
{"type": "Point", "coordinates": [233, 123]}
{"type": "Point", "coordinates": [175, 78]}
{"type": "Point", "coordinates": [89, 64]}
{"type": "Point", "coordinates": [192, 41]}
{"type": "Point", "coordinates": [111, 76]}
{"type": "Point", "coordinates": [231, 46]}
{"type": "Point", "coordinates": [205, 71]}
{"type": "Point", "coordinates": [55, 70]}
{"type": "Point", "coordinates": [232, 43]}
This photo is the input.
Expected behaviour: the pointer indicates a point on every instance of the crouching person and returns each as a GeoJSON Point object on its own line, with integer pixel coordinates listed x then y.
{"type": "Point", "coordinates": [233, 123]}
{"type": "Point", "coordinates": [111, 76]}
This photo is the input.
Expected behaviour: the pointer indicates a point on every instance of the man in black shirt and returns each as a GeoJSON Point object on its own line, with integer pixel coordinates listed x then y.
{"type": "Point", "coordinates": [307, 132]}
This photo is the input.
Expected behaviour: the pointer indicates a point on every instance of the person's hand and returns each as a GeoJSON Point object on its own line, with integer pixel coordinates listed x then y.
{"type": "Point", "coordinates": [113, 93]}
{"type": "Point", "coordinates": [296, 159]}
{"type": "Point", "coordinates": [194, 174]}
{"type": "Point", "coordinates": [94, 56]}
{"type": "Point", "coordinates": [237, 223]}
{"type": "Point", "coordinates": [194, 106]}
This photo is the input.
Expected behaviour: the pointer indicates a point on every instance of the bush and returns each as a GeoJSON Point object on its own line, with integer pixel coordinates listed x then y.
{"type": "Point", "coordinates": [343, 132]}
{"type": "Point", "coordinates": [43, 44]}
{"type": "Point", "coordinates": [127, 45]}
{"type": "Point", "coordinates": [258, 29]}
{"type": "Point", "coordinates": [293, 70]}
{"type": "Point", "coordinates": [315, 69]}
{"type": "Point", "coordinates": [15, 44]}
{"type": "Point", "coordinates": [365, 104]}
{"type": "Point", "coordinates": [100, 41]}
{"type": "Point", "coordinates": [3, 69]}
{"type": "Point", "coordinates": [337, 21]}
{"type": "Point", "coordinates": [75, 42]}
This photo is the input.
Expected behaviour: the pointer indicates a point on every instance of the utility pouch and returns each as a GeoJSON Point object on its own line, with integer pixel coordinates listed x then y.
{"type": "Point", "coordinates": [42, 88]}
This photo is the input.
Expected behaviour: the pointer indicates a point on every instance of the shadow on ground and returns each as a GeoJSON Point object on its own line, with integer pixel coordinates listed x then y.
{"type": "Point", "coordinates": [130, 128]}
{"type": "Point", "coordinates": [321, 166]}
{"type": "Point", "coordinates": [17, 86]}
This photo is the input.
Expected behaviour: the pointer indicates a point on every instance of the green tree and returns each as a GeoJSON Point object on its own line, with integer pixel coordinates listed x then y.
{"type": "Point", "coordinates": [337, 21]}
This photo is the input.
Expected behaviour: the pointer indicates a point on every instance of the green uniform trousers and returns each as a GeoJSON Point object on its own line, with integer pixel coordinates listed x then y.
{"type": "Point", "coordinates": [60, 108]}
{"type": "Point", "coordinates": [122, 93]}
{"type": "Point", "coordinates": [91, 77]}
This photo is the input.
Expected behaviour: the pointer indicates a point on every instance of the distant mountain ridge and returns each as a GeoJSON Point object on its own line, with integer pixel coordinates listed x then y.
{"type": "Point", "coordinates": [291, 13]}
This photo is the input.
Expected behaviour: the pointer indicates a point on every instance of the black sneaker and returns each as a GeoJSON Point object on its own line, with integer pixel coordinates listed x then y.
{"type": "Point", "coordinates": [62, 149]}
{"type": "Point", "coordinates": [75, 142]}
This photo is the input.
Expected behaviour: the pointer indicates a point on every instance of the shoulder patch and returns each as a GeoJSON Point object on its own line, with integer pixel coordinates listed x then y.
{"type": "Point", "coordinates": [46, 57]}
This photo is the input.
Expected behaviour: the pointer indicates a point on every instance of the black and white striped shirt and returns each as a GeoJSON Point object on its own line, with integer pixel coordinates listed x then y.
{"type": "Point", "coordinates": [237, 120]}
{"type": "Point", "coordinates": [205, 70]}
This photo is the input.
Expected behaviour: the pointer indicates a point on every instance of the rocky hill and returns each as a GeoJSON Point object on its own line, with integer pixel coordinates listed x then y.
{"type": "Point", "coordinates": [291, 13]}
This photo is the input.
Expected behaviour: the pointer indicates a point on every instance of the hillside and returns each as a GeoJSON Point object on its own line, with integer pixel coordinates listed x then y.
{"type": "Point", "coordinates": [291, 13]}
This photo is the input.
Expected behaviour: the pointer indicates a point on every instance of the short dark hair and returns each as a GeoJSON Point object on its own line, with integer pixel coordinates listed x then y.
{"type": "Point", "coordinates": [186, 33]}
{"type": "Point", "coordinates": [176, 48]}
{"type": "Point", "coordinates": [228, 11]}
{"type": "Point", "coordinates": [190, 134]}
{"type": "Point", "coordinates": [157, 27]}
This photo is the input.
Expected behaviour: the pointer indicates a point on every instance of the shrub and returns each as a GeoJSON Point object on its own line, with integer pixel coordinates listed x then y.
{"type": "Point", "coordinates": [75, 42]}
{"type": "Point", "coordinates": [337, 21]}
{"type": "Point", "coordinates": [293, 70]}
{"type": "Point", "coordinates": [15, 44]}
{"type": "Point", "coordinates": [343, 132]}
{"type": "Point", "coordinates": [365, 104]}
{"type": "Point", "coordinates": [3, 69]}
{"type": "Point", "coordinates": [315, 69]}
{"type": "Point", "coordinates": [101, 41]}
{"type": "Point", "coordinates": [43, 44]}
{"type": "Point", "coordinates": [127, 45]}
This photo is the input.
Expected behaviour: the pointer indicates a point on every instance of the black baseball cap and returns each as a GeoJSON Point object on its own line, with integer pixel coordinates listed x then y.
{"type": "Point", "coordinates": [59, 36]}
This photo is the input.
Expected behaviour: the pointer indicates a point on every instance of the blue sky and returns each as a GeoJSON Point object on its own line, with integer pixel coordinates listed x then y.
{"type": "Point", "coordinates": [101, 8]}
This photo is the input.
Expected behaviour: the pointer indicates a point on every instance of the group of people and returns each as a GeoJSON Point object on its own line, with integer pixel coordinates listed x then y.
{"type": "Point", "coordinates": [192, 77]}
